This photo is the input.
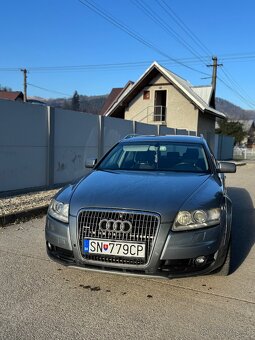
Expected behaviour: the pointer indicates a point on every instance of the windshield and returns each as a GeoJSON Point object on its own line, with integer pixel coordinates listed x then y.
{"type": "Point", "coordinates": [156, 156]}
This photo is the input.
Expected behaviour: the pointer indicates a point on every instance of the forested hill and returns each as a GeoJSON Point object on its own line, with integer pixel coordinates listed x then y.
{"type": "Point", "coordinates": [233, 111]}
{"type": "Point", "coordinates": [91, 104]}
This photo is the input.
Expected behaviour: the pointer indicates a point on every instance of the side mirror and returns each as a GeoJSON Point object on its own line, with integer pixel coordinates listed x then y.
{"type": "Point", "coordinates": [90, 163]}
{"type": "Point", "coordinates": [226, 167]}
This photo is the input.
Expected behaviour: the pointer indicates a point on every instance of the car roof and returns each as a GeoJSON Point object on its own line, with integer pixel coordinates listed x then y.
{"type": "Point", "coordinates": [167, 138]}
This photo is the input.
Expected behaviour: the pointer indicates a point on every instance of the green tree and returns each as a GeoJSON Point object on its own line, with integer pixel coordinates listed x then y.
{"type": "Point", "coordinates": [234, 129]}
{"type": "Point", "coordinates": [76, 101]}
{"type": "Point", "coordinates": [66, 105]}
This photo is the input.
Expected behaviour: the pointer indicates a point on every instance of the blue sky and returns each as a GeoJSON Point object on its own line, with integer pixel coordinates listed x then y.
{"type": "Point", "coordinates": [66, 33]}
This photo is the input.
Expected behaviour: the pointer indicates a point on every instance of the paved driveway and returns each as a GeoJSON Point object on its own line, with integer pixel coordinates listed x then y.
{"type": "Point", "coordinates": [42, 300]}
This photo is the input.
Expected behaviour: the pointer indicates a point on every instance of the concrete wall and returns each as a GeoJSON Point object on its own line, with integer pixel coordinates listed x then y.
{"type": "Point", "coordinates": [23, 145]}
{"type": "Point", "coordinates": [206, 123]}
{"type": "Point", "coordinates": [164, 130]}
{"type": "Point", "coordinates": [115, 129]}
{"type": "Point", "coordinates": [145, 129]}
{"type": "Point", "coordinates": [75, 140]}
{"type": "Point", "coordinates": [206, 127]}
{"type": "Point", "coordinates": [224, 147]}
{"type": "Point", "coordinates": [41, 146]}
{"type": "Point", "coordinates": [181, 113]}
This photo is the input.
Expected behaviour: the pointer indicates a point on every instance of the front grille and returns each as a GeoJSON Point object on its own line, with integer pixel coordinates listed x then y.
{"type": "Point", "coordinates": [144, 229]}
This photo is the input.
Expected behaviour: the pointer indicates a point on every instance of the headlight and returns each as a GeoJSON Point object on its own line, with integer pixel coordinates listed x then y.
{"type": "Point", "coordinates": [188, 220]}
{"type": "Point", "coordinates": [59, 210]}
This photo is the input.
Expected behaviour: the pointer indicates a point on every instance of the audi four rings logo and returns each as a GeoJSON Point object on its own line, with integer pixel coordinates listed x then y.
{"type": "Point", "coordinates": [117, 226]}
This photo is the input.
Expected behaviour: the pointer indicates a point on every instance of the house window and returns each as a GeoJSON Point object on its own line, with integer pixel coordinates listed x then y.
{"type": "Point", "coordinates": [160, 106]}
{"type": "Point", "coordinates": [146, 94]}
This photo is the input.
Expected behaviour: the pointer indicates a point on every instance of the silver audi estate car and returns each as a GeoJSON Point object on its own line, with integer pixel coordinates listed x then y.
{"type": "Point", "coordinates": [153, 205]}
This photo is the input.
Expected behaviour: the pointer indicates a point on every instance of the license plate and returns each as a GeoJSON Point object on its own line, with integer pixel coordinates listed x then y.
{"type": "Point", "coordinates": [114, 248]}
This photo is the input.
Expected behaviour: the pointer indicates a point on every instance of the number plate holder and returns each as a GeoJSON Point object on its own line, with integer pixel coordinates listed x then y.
{"type": "Point", "coordinates": [114, 248]}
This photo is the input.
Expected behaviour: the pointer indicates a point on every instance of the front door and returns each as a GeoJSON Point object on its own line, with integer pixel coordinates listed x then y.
{"type": "Point", "coordinates": [160, 106]}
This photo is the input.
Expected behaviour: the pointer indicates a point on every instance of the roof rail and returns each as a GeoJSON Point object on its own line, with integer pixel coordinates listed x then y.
{"type": "Point", "coordinates": [136, 135]}
{"type": "Point", "coordinates": [130, 136]}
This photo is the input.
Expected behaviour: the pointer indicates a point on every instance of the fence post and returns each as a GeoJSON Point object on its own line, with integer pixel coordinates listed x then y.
{"type": "Point", "coordinates": [134, 127]}
{"type": "Point", "coordinates": [100, 147]}
{"type": "Point", "coordinates": [50, 146]}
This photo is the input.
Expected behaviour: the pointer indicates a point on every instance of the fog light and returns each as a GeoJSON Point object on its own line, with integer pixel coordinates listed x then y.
{"type": "Point", "coordinates": [200, 260]}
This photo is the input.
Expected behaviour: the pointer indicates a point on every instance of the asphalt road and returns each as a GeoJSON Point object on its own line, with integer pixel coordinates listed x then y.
{"type": "Point", "coordinates": [39, 299]}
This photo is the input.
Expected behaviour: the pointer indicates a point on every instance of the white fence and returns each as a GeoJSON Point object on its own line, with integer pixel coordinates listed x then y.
{"type": "Point", "coordinates": [244, 153]}
{"type": "Point", "coordinates": [41, 146]}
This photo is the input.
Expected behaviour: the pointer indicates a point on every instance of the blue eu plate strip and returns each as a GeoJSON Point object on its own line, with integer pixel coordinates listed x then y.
{"type": "Point", "coordinates": [86, 246]}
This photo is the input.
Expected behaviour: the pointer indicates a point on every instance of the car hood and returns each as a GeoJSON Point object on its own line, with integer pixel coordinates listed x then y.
{"type": "Point", "coordinates": [160, 192]}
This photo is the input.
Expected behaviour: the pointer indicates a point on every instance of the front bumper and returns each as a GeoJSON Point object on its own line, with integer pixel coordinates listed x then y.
{"type": "Point", "coordinates": [173, 254]}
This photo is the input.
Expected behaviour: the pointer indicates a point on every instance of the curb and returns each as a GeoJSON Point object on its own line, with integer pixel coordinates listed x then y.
{"type": "Point", "coordinates": [23, 216]}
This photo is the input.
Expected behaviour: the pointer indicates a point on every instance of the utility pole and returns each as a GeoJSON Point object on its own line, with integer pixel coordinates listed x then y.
{"type": "Point", "coordinates": [24, 70]}
{"type": "Point", "coordinates": [214, 79]}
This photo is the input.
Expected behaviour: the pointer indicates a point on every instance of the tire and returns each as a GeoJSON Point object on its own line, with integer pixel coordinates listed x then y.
{"type": "Point", "coordinates": [224, 270]}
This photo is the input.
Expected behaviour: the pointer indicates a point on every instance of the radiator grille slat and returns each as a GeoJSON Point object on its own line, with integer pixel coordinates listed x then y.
{"type": "Point", "coordinates": [144, 229]}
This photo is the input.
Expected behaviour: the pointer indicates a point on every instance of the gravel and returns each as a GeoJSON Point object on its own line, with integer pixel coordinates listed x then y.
{"type": "Point", "coordinates": [26, 202]}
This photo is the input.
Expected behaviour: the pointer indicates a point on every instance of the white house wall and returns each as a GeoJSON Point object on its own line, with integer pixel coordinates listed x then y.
{"type": "Point", "coordinates": [181, 113]}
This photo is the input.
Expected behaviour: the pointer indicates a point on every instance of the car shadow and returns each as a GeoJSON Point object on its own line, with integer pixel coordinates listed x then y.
{"type": "Point", "coordinates": [243, 226]}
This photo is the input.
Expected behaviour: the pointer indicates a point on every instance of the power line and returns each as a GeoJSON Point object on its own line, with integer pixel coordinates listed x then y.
{"type": "Point", "coordinates": [242, 92]}
{"type": "Point", "coordinates": [199, 43]}
{"type": "Point", "coordinates": [92, 6]}
{"type": "Point", "coordinates": [147, 10]}
{"type": "Point", "coordinates": [239, 60]}
{"type": "Point", "coordinates": [8, 69]}
{"type": "Point", "coordinates": [48, 90]}
{"type": "Point", "coordinates": [110, 66]}
{"type": "Point", "coordinates": [191, 61]}
{"type": "Point", "coordinates": [183, 26]}
{"type": "Point", "coordinates": [231, 79]}
{"type": "Point", "coordinates": [241, 97]}
{"type": "Point", "coordinates": [54, 91]}
{"type": "Point", "coordinates": [101, 66]}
